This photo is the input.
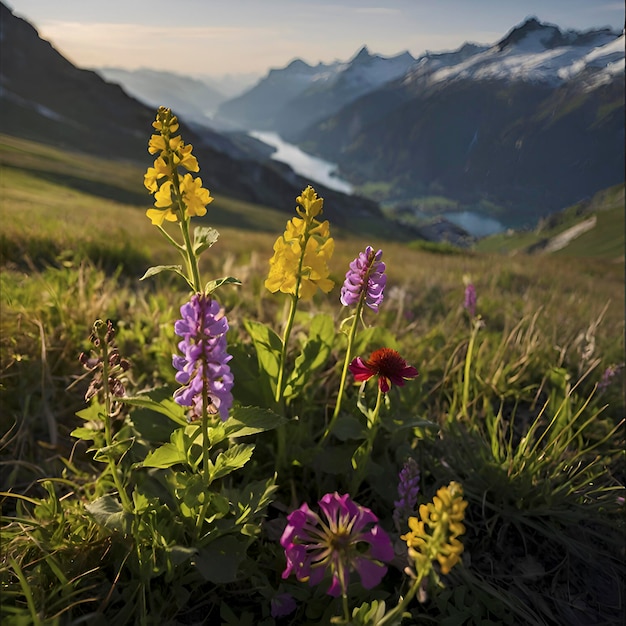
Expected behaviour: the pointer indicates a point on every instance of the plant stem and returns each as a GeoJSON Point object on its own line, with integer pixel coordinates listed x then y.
{"type": "Point", "coordinates": [205, 457]}
{"type": "Point", "coordinates": [107, 425]}
{"type": "Point", "coordinates": [395, 615]}
{"type": "Point", "coordinates": [466, 372]}
{"type": "Point", "coordinates": [367, 445]}
{"type": "Point", "coordinates": [286, 334]}
{"type": "Point", "coordinates": [346, 363]}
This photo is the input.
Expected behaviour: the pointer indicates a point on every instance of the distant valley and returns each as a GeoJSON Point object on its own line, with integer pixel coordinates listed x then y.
{"type": "Point", "coordinates": [441, 147]}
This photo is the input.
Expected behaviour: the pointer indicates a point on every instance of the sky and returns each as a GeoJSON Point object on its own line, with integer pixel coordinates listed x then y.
{"type": "Point", "coordinates": [225, 37]}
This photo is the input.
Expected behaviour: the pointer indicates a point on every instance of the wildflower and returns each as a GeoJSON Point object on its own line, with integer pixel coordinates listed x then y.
{"type": "Point", "coordinates": [202, 368]}
{"type": "Point", "coordinates": [607, 377]}
{"type": "Point", "coordinates": [469, 301]}
{"type": "Point", "coordinates": [282, 604]}
{"type": "Point", "coordinates": [365, 279]}
{"type": "Point", "coordinates": [348, 539]}
{"type": "Point", "coordinates": [434, 536]}
{"type": "Point", "coordinates": [173, 194]}
{"type": "Point", "coordinates": [408, 488]}
{"type": "Point", "coordinates": [385, 363]}
{"type": "Point", "coordinates": [301, 254]}
{"type": "Point", "coordinates": [102, 338]}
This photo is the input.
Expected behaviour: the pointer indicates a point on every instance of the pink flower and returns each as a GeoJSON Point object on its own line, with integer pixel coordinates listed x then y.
{"type": "Point", "coordinates": [346, 539]}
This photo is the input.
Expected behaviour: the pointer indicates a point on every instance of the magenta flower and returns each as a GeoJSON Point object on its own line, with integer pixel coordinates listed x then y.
{"type": "Point", "coordinates": [469, 301]}
{"type": "Point", "coordinates": [203, 364]}
{"type": "Point", "coordinates": [348, 539]}
{"type": "Point", "coordinates": [385, 363]}
{"type": "Point", "coordinates": [408, 488]}
{"type": "Point", "coordinates": [365, 279]}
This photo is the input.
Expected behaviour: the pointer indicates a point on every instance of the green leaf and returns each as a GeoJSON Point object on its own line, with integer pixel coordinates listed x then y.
{"type": "Point", "coordinates": [93, 413]}
{"type": "Point", "coordinates": [250, 420]}
{"type": "Point", "coordinates": [167, 455]}
{"type": "Point", "coordinates": [203, 238]}
{"type": "Point", "coordinates": [87, 434]}
{"type": "Point", "coordinates": [212, 285]}
{"type": "Point", "coordinates": [161, 401]}
{"type": "Point", "coordinates": [230, 460]}
{"type": "Point", "coordinates": [348, 427]}
{"type": "Point", "coordinates": [314, 354]}
{"type": "Point", "coordinates": [115, 451]}
{"type": "Point", "coordinates": [268, 347]}
{"type": "Point", "coordinates": [219, 561]}
{"type": "Point", "coordinates": [108, 512]}
{"type": "Point", "coordinates": [157, 269]}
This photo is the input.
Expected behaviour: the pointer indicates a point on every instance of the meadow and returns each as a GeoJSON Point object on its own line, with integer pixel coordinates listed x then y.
{"type": "Point", "coordinates": [506, 450]}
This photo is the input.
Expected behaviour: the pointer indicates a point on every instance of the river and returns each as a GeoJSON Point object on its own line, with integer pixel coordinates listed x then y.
{"type": "Point", "coordinates": [315, 169]}
{"type": "Point", "coordinates": [324, 172]}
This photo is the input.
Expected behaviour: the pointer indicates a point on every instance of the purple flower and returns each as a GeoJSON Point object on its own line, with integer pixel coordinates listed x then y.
{"type": "Point", "coordinates": [470, 299]}
{"type": "Point", "coordinates": [282, 604]}
{"type": "Point", "coordinates": [203, 364]}
{"type": "Point", "coordinates": [408, 488]}
{"type": "Point", "coordinates": [347, 539]}
{"type": "Point", "coordinates": [365, 279]}
{"type": "Point", "coordinates": [607, 377]}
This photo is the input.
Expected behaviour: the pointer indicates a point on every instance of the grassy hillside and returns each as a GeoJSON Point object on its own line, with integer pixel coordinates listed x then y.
{"type": "Point", "coordinates": [507, 403]}
{"type": "Point", "coordinates": [604, 240]}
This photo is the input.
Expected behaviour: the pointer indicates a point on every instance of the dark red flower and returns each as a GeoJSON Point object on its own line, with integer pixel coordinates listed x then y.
{"type": "Point", "coordinates": [385, 363]}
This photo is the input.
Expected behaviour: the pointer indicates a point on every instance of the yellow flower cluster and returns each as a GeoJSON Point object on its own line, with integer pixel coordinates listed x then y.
{"type": "Point", "coordinates": [173, 193]}
{"type": "Point", "coordinates": [302, 252]}
{"type": "Point", "coordinates": [435, 534]}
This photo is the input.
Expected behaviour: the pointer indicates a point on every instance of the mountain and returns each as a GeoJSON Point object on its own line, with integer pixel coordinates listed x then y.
{"type": "Point", "coordinates": [44, 98]}
{"type": "Point", "coordinates": [193, 99]}
{"type": "Point", "coordinates": [518, 129]}
{"type": "Point", "coordinates": [289, 100]}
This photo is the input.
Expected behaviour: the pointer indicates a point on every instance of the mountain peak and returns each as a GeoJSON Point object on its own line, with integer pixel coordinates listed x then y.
{"type": "Point", "coordinates": [531, 25]}
{"type": "Point", "coordinates": [362, 55]}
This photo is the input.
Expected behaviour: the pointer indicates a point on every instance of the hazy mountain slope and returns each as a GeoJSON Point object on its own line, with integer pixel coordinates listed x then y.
{"type": "Point", "coordinates": [47, 99]}
{"type": "Point", "coordinates": [290, 99]}
{"type": "Point", "coordinates": [194, 100]}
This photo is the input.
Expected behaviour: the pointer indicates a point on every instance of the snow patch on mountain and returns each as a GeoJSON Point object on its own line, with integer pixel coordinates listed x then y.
{"type": "Point", "coordinates": [532, 52]}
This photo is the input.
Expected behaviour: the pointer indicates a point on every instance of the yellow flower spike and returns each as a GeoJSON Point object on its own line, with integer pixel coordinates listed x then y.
{"type": "Point", "coordinates": [302, 252]}
{"type": "Point", "coordinates": [435, 535]}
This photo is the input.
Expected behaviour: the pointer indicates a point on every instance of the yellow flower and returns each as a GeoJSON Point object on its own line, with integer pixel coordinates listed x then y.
{"type": "Point", "coordinates": [184, 158]}
{"type": "Point", "coordinates": [153, 174]}
{"type": "Point", "coordinates": [311, 204]}
{"type": "Point", "coordinates": [302, 252]}
{"type": "Point", "coordinates": [435, 535]}
{"type": "Point", "coordinates": [195, 196]}
{"type": "Point", "coordinates": [156, 144]}
{"type": "Point", "coordinates": [165, 121]}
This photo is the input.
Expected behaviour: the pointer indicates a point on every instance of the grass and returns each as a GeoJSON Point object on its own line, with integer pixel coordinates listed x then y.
{"type": "Point", "coordinates": [513, 414]}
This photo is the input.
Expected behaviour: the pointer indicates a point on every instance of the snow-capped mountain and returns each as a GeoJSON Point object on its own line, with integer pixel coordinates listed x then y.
{"type": "Point", "coordinates": [517, 129]}
{"type": "Point", "coordinates": [533, 52]}
{"type": "Point", "coordinates": [290, 99]}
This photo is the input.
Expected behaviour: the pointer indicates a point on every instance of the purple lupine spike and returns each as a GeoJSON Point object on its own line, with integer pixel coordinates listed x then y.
{"type": "Point", "coordinates": [365, 278]}
{"type": "Point", "coordinates": [469, 302]}
{"type": "Point", "coordinates": [348, 539]}
{"type": "Point", "coordinates": [204, 361]}
{"type": "Point", "coordinates": [408, 488]}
